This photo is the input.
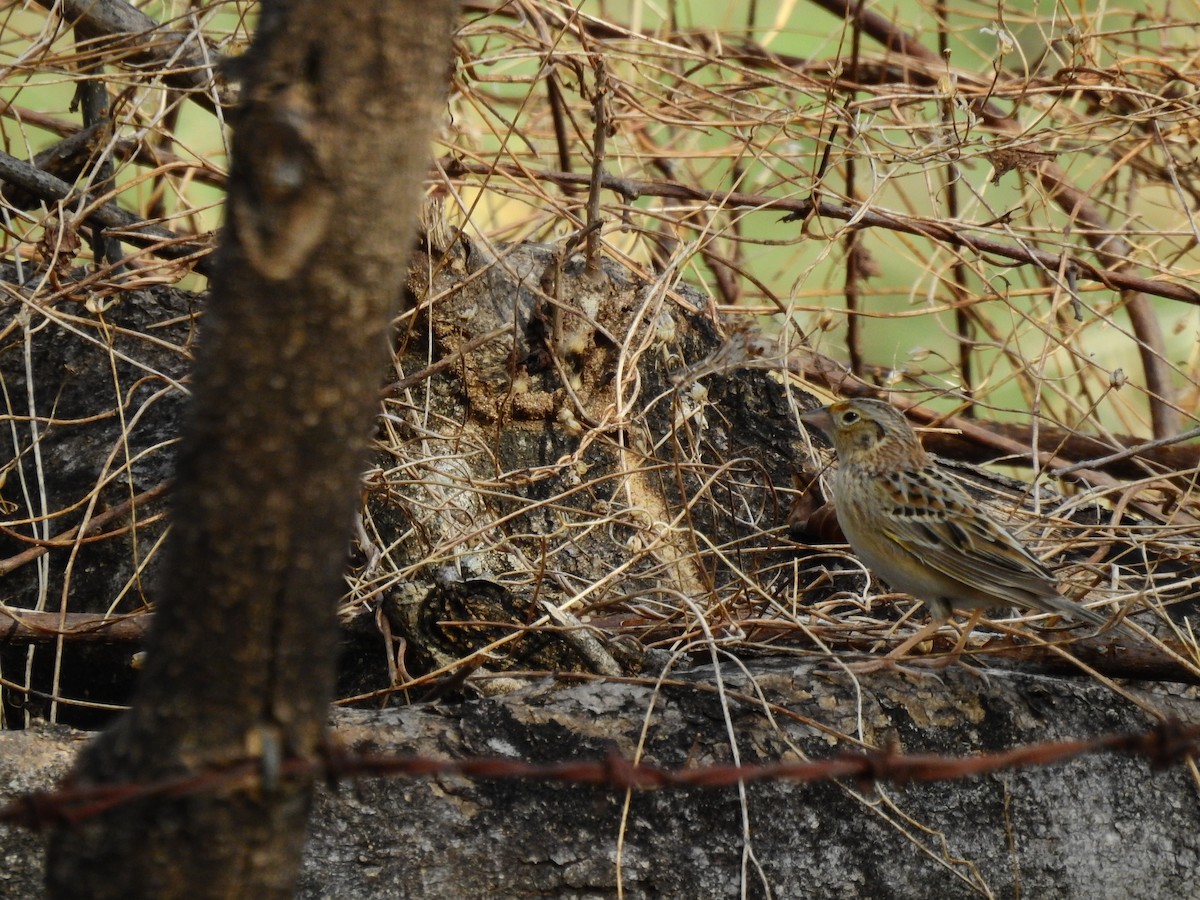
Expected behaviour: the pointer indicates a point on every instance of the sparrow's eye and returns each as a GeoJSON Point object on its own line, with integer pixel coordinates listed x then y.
{"type": "Point", "coordinates": [849, 417]}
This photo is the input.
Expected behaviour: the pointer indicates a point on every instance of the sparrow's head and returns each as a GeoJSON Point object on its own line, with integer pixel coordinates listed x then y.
{"type": "Point", "coordinates": [868, 433]}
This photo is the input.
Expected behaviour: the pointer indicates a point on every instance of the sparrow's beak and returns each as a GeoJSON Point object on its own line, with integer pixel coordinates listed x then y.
{"type": "Point", "coordinates": [818, 418]}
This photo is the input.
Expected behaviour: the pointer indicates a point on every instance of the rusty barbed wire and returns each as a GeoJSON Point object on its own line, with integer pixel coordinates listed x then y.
{"type": "Point", "coordinates": [1166, 744]}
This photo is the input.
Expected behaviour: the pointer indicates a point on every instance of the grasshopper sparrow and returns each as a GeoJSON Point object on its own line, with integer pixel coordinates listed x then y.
{"type": "Point", "coordinates": [919, 531]}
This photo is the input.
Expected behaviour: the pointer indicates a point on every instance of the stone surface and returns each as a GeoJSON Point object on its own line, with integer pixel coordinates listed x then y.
{"type": "Point", "coordinates": [1096, 827]}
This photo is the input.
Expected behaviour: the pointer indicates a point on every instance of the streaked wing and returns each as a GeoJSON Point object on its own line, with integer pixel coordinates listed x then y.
{"type": "Point", "coordinates": [939, 523]}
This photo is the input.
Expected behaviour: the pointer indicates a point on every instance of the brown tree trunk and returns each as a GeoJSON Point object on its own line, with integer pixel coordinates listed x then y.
{"type": "Point", "coordinates": [331, 142]}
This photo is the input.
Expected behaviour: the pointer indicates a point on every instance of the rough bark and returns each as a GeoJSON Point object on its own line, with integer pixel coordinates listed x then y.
{"type": "Point", "coordinates": [331, 145]}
